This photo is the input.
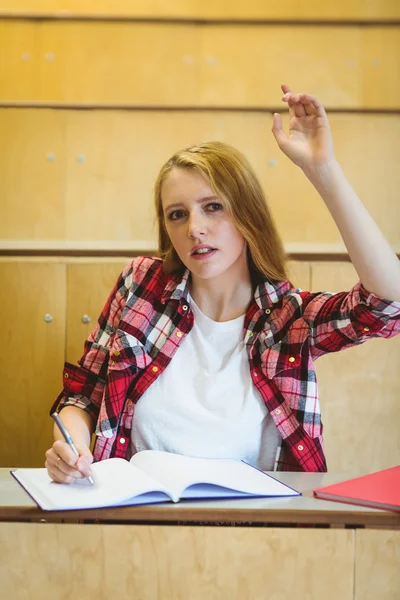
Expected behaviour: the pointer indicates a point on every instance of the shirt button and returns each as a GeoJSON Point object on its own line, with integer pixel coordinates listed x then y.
{"type": "Point", "coordinates": [154, 369]}
{"type": "Point", "coordinates": [250, 334]}
{"type": "Point", "coordinates": [130, 403]}
{"type": "Point", "coordinates": [291, 359]}
{"type": "Point", "coordinates": [278, 411]}
{"type": "Point", "coordinates": [268, 311]}
{"type": "Point", "coordinates": [112, 362]}
{"type": "Point", "coordinates": [366, 328]}
{"type": "Point", "coordinates": [66, 375]}
{"type": "Point", "coordinates": [122, 440]}
{"type": "Point", "coordinates": [179, 334]}
{"type": "Point", "coordinates": [185, 307]}
{"type": "Point", "coordinates": [117, 353]}
{"type": "Point", "coordinates": [300, 447]}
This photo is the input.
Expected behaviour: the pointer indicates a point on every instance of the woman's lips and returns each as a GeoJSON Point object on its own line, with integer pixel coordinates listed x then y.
{"type": "Point", "coordinates": [204, 255]}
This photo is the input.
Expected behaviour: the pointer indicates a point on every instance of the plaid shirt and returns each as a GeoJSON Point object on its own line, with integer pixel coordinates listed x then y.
{"type": "Point", "coordinates": [147, 317]}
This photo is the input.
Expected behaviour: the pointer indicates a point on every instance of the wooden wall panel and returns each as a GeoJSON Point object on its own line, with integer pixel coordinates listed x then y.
{"type": "Point", "coordinates": [174, 563]}
{"type": "Point", "coordinates": [32, 174]}
{"type": "Point", "coordinates": [248, 64]}
{"type": "Point", "coordinates": [299, 273]}
{"type": "Point", "coordinates": [100, 184]}
{"type": "Point", "coordinates": [88, 287]}
{"type": "Point", "coordinates": [19, 58]}
{"type": "Point", "coordinates": [209, 9]}
{"type": "Point", "coordinates": [359, 391]}
{"type": "Point", "coordinates": [377, 560]}
{"type": "Point", "coordinates": [33, 358]}
{"type": "Point", "coordinates": [197, 65]}
{"type": "Point", "coordinates": [139, 64]}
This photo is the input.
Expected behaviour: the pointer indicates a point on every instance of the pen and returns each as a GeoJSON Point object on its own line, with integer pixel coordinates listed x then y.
{"type": "Point", "coordinates": [67, 438]}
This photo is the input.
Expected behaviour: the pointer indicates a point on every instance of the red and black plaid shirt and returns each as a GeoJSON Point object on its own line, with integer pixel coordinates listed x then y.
{"type": "Point", "coordinates": [147, 317]}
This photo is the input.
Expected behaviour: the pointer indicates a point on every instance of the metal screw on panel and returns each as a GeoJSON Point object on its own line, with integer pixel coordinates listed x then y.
{"type": "Point", "coordinates": [80, 158]}
{"type": "Point", "coordinates": [25, 56]}
{"type": "Point", "coordinates": [211, 60]}
{"type": "Point", "coordinates": [86, 319]}
{"type": "Point", "coordinates": [188, 59]}
{"type": "Point", "coordinates": [48, 318]}
{"type": "Point", "coordinates": [376, 62]}
{"type": "Point", "coordinates": [51, 156]}
{"type": "Point", "coordinates": [352, 64]}
{"type": "Point", "coordinates": [49, 56]}
{"type": "Point", "coordinates": [272, 162]}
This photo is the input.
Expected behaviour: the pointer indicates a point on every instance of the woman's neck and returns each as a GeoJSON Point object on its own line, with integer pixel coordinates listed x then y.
{"type": "Point", "coordinates": [222, 299]}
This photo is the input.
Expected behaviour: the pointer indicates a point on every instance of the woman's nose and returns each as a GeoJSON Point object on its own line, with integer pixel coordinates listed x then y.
{"type": "Point", "coordinates": [196, 226]}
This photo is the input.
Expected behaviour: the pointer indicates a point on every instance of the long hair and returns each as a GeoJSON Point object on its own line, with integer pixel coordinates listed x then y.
{"type": "Point", "coordinates": [236, 185]}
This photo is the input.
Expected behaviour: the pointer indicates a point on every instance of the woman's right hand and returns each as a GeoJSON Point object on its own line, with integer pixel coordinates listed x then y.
{"type": "Point", "coordinates": [62, 464]}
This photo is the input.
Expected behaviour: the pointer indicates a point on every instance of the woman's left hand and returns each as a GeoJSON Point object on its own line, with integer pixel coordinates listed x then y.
{"type": "Point", "coordinates": [309, 143]}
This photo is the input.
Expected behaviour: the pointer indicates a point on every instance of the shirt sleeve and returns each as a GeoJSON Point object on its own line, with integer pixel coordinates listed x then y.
{"type": "Point", "coordinates": [84, 384]}
{"type": "Point", "coordinates": [339, 321]}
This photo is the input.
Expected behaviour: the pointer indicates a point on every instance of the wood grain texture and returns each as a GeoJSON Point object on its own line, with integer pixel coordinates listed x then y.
{"type": "Point", "coordinates": [30, 372]}
{"type": "Point", "coordinates": [377, 561]}
{"type": "Point", "coordinates": [33, 172]}
{"type": "Point", "coordinates": [16, 505]}
{"type": "Point", "coordinates": [359, 391]}
{"type": "Point", "coordinates": [49, 561]}
{"type": "Point", "coordinates": [108, 197]}
{"type": "Point", "coordinates": [191, 64]}
{"type": "Point", "coordinates": [299, 273]}
{"type": "Point", "coordinates": [88, 287]}
{"type": "Point", "coordinates": [362, 10]}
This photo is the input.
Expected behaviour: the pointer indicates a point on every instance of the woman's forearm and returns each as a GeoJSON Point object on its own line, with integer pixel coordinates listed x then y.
{"type": "Point", "coordinates": [375, 262]}
{"type": "Point", "coordinates": [79, 425]}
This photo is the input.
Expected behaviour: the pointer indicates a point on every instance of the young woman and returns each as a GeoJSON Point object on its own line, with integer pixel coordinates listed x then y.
{"type": "Point", "coordinates": [209, 350]}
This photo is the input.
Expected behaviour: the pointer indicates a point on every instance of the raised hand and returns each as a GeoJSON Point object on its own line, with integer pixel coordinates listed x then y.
{"type": "Point", "coordinates": [309, 143]}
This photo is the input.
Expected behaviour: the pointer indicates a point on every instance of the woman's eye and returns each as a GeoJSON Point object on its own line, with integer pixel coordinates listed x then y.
{"type": "Point", "coordinates": [176, 214]}
{"type": "Point", "coordinates": [215, 206]}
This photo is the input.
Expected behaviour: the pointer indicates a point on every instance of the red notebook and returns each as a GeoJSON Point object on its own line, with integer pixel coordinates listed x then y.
{"type": "Point", "coordinates": [377, 490]}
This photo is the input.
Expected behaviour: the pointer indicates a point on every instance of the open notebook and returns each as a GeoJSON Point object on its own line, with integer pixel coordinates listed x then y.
{"type": "Point", "coordinates": [152, 476]}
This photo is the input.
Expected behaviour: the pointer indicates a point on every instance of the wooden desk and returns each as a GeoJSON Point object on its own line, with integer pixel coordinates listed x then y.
{"type": "Point", "coordinates": [262, 549]}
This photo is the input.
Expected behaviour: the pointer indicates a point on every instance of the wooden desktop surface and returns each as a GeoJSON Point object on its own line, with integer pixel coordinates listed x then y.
{"type": "Point", "coordinates": [16, 505]}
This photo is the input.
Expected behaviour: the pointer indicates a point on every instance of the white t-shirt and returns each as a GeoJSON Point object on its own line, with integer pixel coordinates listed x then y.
{"type": "Point", "coordinates": [205, 404]}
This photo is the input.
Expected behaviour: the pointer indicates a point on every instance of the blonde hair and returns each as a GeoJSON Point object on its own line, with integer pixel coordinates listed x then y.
{"type": "Point", "coordinates": [235, 183]}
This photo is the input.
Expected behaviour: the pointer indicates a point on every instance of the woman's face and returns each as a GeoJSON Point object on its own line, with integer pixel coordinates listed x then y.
{"type": "Point", "coordinates": [202, 233]}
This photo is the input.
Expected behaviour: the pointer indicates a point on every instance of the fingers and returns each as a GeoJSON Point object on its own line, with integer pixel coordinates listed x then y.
{"type": "Point", "coordinates": [296, 107]}
{"type": "Point", "coordinates": [285, 88]}
{"type": "Point", "coordinates": [64, 466]}
{"type": "Point", "coordinates": [83, 464]}
{"type": "Point", "coordinates": [312, 105]}
{"type": "Point", "coordinates": [303, 104]}
{"type": "Point", "coordinates": [277, 130]}
{"type": "Point", "coordinates": [61, 468]}
{"type": "Point", "coordinates": [56, 470]}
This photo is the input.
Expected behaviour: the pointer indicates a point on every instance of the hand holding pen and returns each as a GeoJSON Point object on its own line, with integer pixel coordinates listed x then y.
{"type": "Point", "coordinates": [61, 459]}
